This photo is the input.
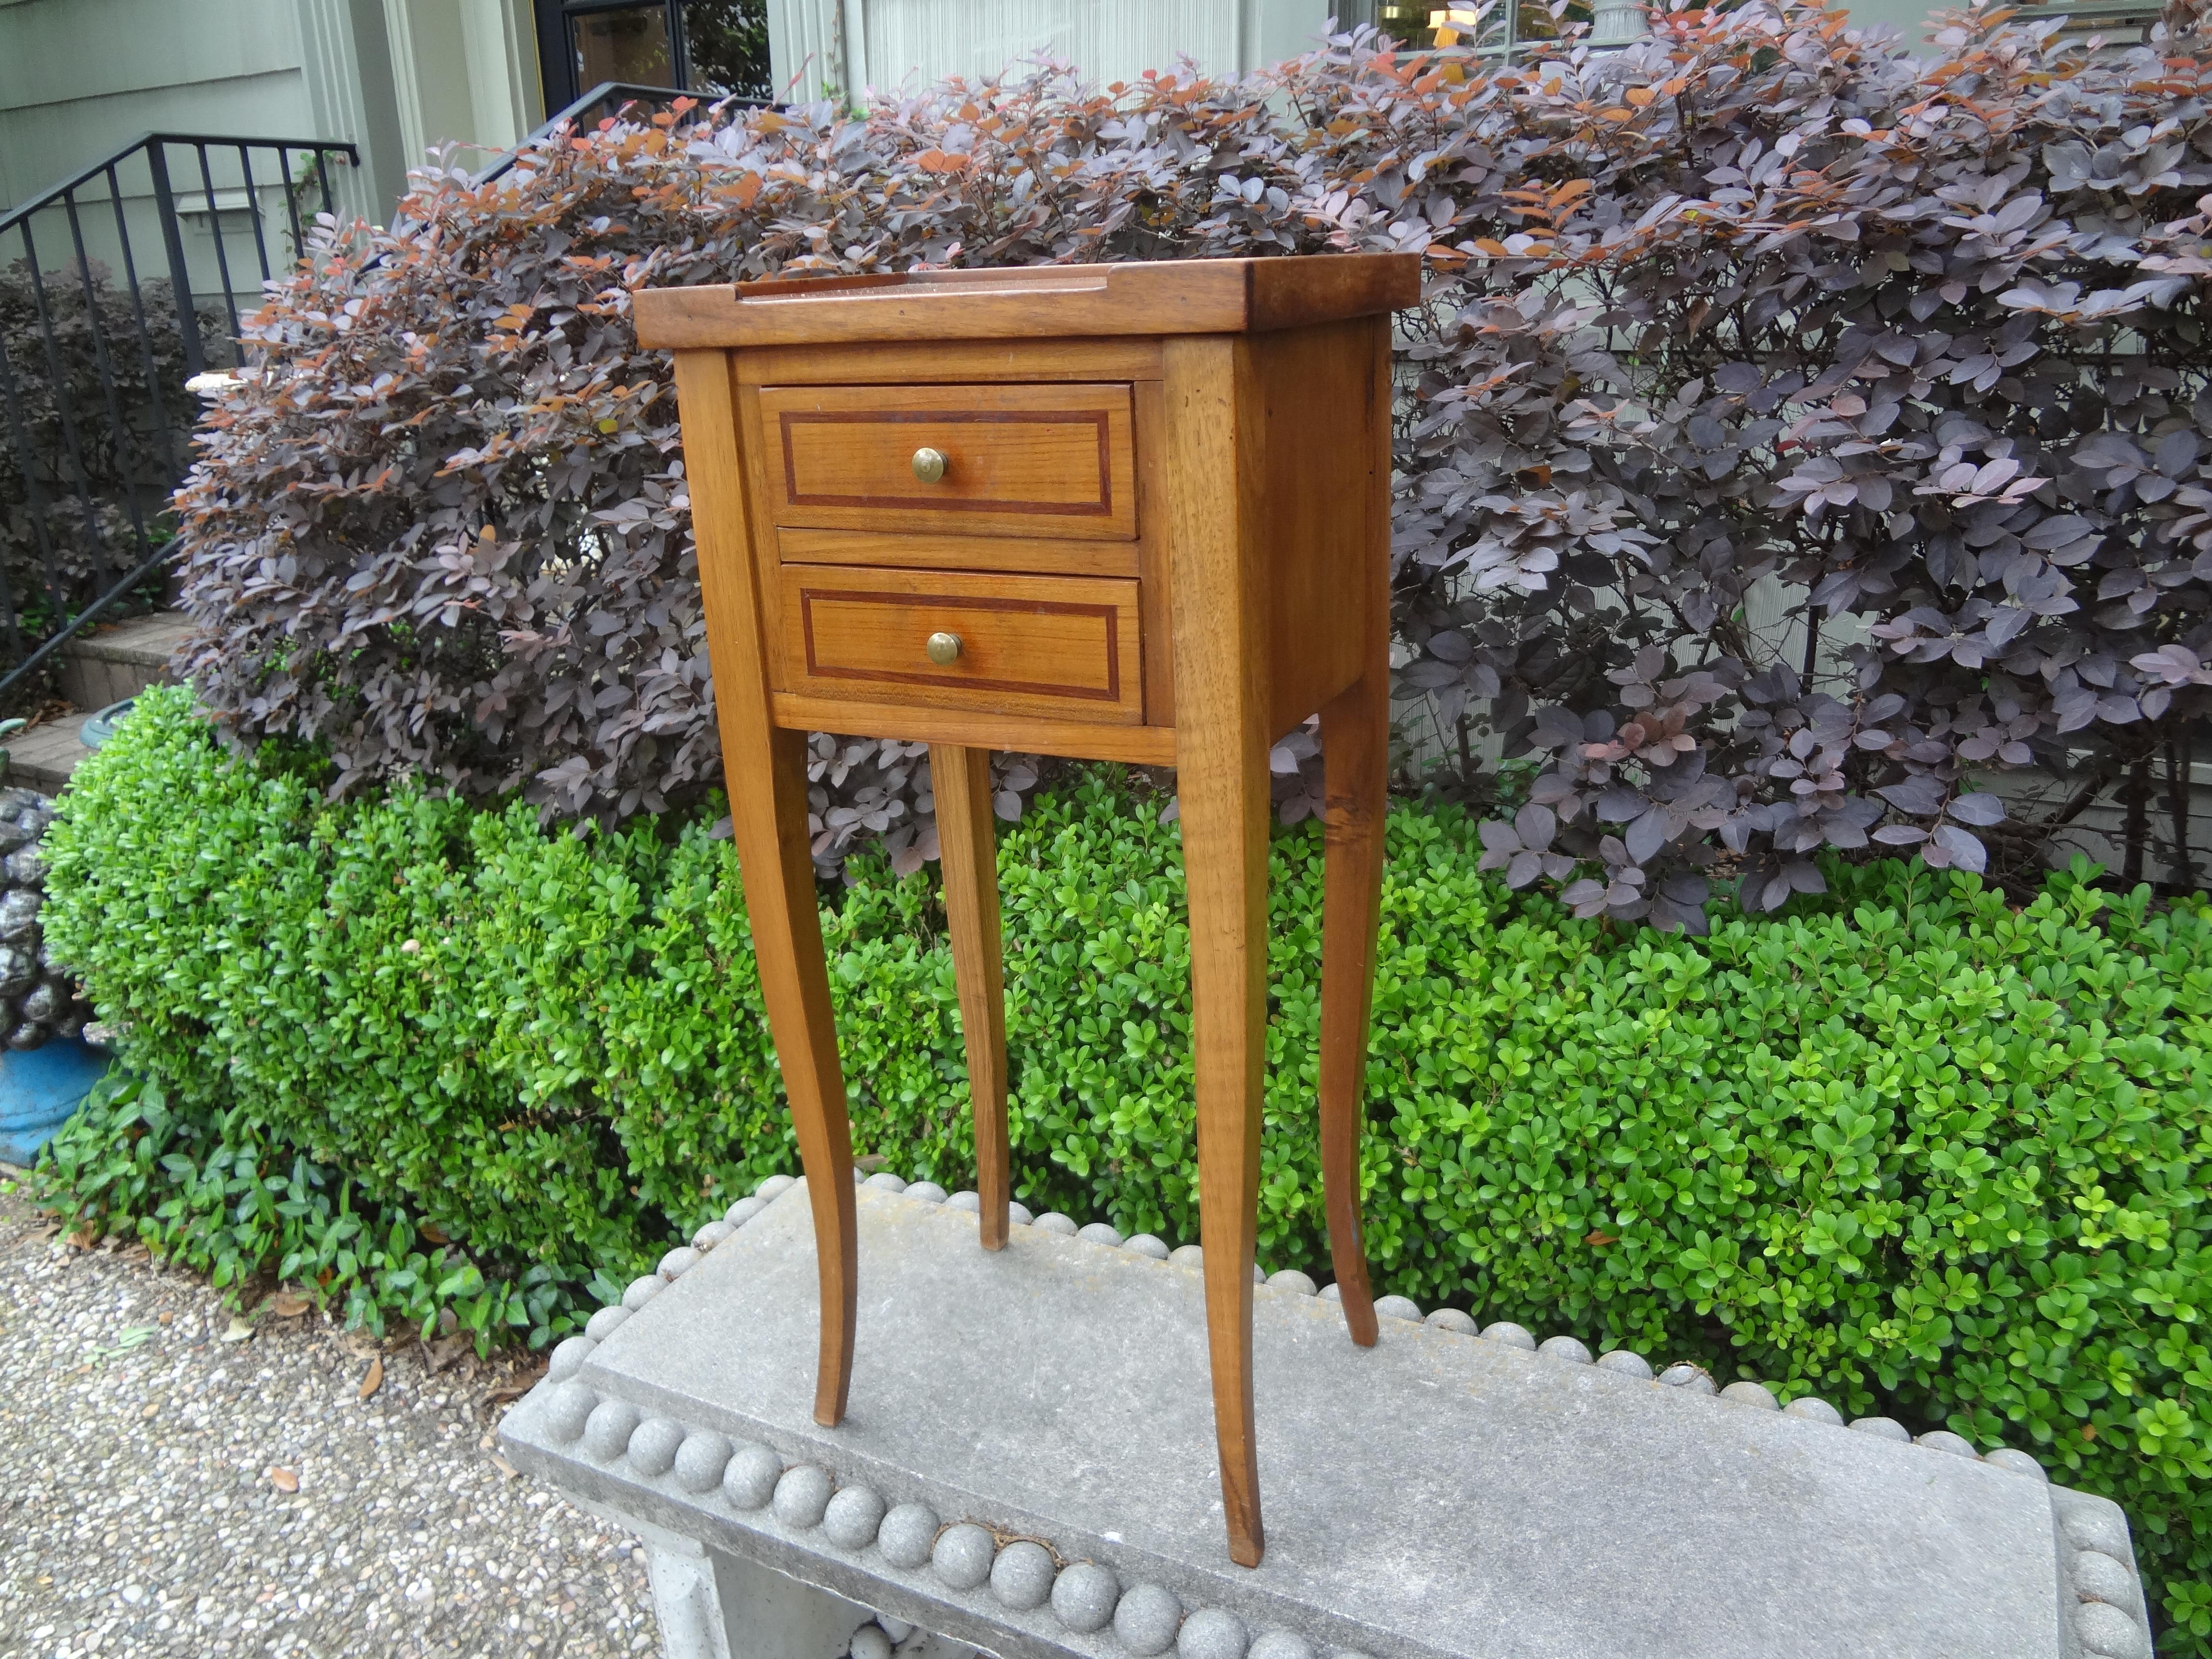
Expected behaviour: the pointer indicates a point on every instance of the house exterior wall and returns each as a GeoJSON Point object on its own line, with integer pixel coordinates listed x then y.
{"type": "Point", "coordinates": [465, 72]}
{"type": "Point", "coordinates": [346, 63]}
{"type": "Point", "coordinates": [1913, 20]}
{"type": "Point", "coordinates": [80, 78]}
{"type": "Point", "coordinates": [398, 77]}
{"type": "Point", "coordinates": [889, 43]}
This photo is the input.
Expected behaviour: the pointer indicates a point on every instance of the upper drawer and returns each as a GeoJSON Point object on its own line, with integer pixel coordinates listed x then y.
{"type": "Point", "coordinates": [1018, 461]}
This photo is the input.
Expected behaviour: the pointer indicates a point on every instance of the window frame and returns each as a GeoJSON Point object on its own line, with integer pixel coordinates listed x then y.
{"type": "Point", "coordinates": [557, 69]}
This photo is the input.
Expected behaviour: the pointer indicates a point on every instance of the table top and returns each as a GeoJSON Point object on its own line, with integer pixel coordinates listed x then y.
{"type": "Point", "coordinates": [1436, 1495]}
{"type": "Point", "coordinates": [1146, 297]}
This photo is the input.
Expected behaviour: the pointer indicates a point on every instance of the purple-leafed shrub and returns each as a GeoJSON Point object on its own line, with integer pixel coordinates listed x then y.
{"type": "Point", "coordinates": [1796, 437]}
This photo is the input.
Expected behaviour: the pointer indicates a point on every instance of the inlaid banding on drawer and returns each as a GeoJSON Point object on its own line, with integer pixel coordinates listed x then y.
{"type": "Point", "coordinates": [1006, 460]}
{"type": "Point", "coordinates": [1068, 471]}
{"type": "Point", "coordinates": [1062, 645]}
{"type": "Point", "coordinates": [1078, 640]}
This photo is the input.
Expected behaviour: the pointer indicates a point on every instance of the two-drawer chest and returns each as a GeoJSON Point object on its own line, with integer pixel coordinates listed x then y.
{"type": "Point", "coordinates": [1134, 512]}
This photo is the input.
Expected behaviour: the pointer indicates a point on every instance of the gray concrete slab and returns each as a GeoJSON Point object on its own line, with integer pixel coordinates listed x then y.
{"type": "Point", "coordinates": [1438, 1495]}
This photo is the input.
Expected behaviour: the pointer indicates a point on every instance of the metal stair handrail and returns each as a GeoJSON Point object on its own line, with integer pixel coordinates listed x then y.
{"type": "Point", "coordinates": [164, 451]}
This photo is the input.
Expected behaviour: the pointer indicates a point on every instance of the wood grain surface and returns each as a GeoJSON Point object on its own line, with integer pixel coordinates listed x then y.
{"type": "Point", "coordinates": [968, 850]}
{"type": "Point", "coordinates": [1310, 495]}
{"type": "Point", "coordinates": [1355, 733]}
{"type": "Point", "coordinates": [1033, 556]}
{"type": "Point", "coordinates": [1059, 645]}
{"type": "Point", "coordinates": [1165, 297]}
{"type": "Point", "coordinates": [957, 362]}
{"type": "Point", "coordinates": [1134, 746]}
{"type": "Point", "coordinates": [1156, 590]}
{"type": "Point", "coordinates": [1021, 461]}
{"type": "Point", "coordinates": [1220, 644]}
{"type": "Point", "coordinates": [768, 816]}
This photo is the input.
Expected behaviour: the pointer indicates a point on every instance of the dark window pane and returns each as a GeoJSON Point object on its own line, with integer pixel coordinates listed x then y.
{"type": "Point", "coordinates": [726, 42]}
{"type": "Point", "coordinates": [631, 44]}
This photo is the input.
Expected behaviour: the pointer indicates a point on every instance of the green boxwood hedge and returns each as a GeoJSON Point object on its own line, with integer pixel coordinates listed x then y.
{"type": "Point", "coordinates": [1907, 1146]}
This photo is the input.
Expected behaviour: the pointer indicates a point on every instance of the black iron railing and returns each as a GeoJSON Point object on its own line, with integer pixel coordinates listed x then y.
{"type": "Point", "coordinates": [117, 286]}
{"type": "Point", "coordinates": [609, 98]}
{"type": "Point", "coordinates": [2118, 23]}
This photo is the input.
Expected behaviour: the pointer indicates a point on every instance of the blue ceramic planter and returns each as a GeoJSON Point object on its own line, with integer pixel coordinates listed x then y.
{"type": "Point", "coordinates": [38, 1092]}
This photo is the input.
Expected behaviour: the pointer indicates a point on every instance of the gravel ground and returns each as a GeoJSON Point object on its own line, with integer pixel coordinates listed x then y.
{"type": "Point", "coordinates": [175, 1480]}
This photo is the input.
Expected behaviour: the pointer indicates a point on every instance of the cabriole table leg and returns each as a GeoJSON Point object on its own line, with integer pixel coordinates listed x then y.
{"type": "Point", "coordinates": [767, 767]}
{"type": "Point", "coordinates": [1221, 779]}
{"type": "Point", "coordinates": [1355, 735]}
{"type": "Point", "coordinates": [1224, 827]}
{"type": "Point", "coordinates": [769, 819]}
{"type": "Point", "coordinates": [961, 780]}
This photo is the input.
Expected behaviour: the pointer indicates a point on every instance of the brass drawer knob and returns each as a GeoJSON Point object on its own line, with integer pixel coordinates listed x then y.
{"type": "Point", "coordinates": [929, 467]}
{"type": "Point", "coordinates": [943, 649]}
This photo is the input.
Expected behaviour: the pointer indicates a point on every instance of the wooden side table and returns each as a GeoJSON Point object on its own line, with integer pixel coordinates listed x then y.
{"type": "Point", "coordinates": [1134, 512]}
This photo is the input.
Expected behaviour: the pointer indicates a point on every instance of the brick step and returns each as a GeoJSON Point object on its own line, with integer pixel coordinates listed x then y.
{"type": "Point", "coordinates": [110, 663]}
{"type": "Point", "coordinates": [101, 667]}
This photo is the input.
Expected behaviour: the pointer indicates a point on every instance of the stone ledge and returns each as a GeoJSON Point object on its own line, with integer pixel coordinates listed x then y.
{"type": "Point", "coordinates": [1443, 1494]}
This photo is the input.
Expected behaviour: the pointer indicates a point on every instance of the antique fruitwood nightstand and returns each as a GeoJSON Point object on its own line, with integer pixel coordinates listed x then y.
{"type": "Point", "coordinates": [1136, 513]}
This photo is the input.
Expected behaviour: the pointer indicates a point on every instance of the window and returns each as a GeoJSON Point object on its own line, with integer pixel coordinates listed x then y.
{"type": "Point", "coordinates": [725, 47]}
{"type": "Point", "coordinates": [626, 43]}
{"type": "Point", "coordinates": [1491, 26]}
{"type": "Point", "coordinates": [713, 48]}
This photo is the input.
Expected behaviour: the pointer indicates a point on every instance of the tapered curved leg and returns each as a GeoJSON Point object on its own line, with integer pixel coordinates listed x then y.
{"type": "Point", "coordinates": [1224, 838]}
{"type": "Point", "coordinates": [961, 780]}
{"type": "Point", "coordinates": [767, 773]}
{"type": "Point", "coordinates": [1221, 780]}
{"type": "Point", "coordinates": [769, 815]}
{"type": "Point", "coordinates": [1355, 735]}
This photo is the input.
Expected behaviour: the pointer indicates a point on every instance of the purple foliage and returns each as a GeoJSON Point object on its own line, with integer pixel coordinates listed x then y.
{"type": "Point", "coordinates": [1792, 432]}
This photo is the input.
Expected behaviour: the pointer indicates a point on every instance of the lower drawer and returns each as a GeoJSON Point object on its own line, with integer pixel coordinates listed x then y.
{"type": "Point", "coordinates": [1065, 646]}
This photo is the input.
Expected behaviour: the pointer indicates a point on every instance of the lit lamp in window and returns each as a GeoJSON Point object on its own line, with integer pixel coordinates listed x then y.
{"type": "Point", "coordinates": [1452, 22]}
